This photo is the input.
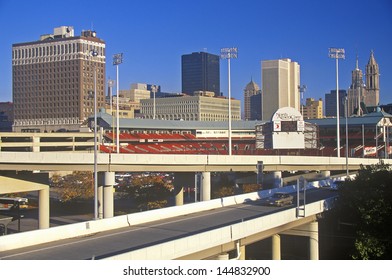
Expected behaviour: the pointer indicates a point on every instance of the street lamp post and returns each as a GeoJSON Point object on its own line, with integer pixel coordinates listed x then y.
{"type": "Point", "coordinates": [337, 54]}
{"type": "Point", "coordinates": [154, 91]}
{"type": "Point", "coordinates": [94, 53]}
{"type": "Point", "coordinates": [117, 60]}
{"type": "Point", "coordinates": [346, 113]}
{"type": "Point", "coordinates": [228, 53]}
{"type": "Point", "coordinates": [111, 83]}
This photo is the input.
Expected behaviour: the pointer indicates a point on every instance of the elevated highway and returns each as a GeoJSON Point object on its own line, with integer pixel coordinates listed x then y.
{"type": "Point", "coordinates": [27, 171]}
{"type": "Point", "coordinates": [71, 161]}
{"type": "Point", "coordinates": [196, 231]}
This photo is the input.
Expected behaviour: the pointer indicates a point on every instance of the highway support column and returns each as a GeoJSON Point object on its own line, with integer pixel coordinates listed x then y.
{"type": "Point", "coordinates": [313, 241]}
{"type": "Point", "coordinates": [26, 181]}
{"type": "Point", "coordinates": [181, 180]}
{"type": "Point", "coordinates": [277, 179]}
{"type": "Point", "coordinates": [242, 252]}
{"type": "Point", "coordinates": [205, 186]}
{"type": "Point", "coordinates": [276, 255]}
{"type": "Point", "coordinates": [107, 181]}
{"type": "Point", "coordinates": [43, 208]}
{"type": "Point", "coordinates": [309, 230]}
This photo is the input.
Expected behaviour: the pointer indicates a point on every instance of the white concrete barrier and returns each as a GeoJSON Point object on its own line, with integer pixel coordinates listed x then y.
{"type": "Point", "coordinates": [205, 240]}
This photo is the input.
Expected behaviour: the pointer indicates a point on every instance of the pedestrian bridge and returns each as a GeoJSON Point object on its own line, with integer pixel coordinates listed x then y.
{"type": "Point", "coordinates": [202, 230]}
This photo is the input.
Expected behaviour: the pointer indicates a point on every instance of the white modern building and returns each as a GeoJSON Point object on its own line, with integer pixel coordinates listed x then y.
{"type": "Point", "coordinates": [280, 85]}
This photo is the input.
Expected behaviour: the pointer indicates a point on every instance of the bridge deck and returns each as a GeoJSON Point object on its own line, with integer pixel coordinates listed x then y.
{"type": "Point", "coordinates": [116, 242]}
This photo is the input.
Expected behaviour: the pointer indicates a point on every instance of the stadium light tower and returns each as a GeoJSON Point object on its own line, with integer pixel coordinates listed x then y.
{"type": "Point", "coordinates": [111, 84]}
{"type": "Point", "coordinates": [154, 90]}
{"type": "Point", "coordinates": [337, 54]}
{"type": "Point", "coordinates": [117, 60]}
{"type": "Point", "coordinates": [228, 53]}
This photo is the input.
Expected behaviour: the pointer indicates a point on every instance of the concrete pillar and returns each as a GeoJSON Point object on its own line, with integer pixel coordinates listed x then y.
{"type": "Point", "coordinates": [181, 180]}
{"type": "Point", "coordinates": [108, 180]}
{"type": "Point", "coordinates": [242, 253]}
{"type": "Point", "coordinates": [313, 241]}
{"type": "Point", "coordinates": [100, 200]}
{"type": "Point", "coordinates": [179, 195]}
{"type": "Point", "coordinates": [36, 147]}
{"type": "Point", "coordinates": [205, 186]}
{"type": "Point", "coordinates": [222, 257]}
{"type": "Point", "coordinates": [43, 208]}
{"type": "Point", "coordinates": [277, 179]}
{"type": "Point", "coordinates": [276, 255]}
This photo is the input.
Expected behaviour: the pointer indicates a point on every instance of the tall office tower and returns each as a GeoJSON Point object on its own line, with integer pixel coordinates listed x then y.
{"type": "Point", "coordinates": [281, 80]}
{"type": "Point", "coordinates": [251, 89]}
{"type": "Point", "coordinates": [372, 82]}
{"type": "Point", "coordinates": [53, 80]}
{"type": "Point", "coordinates": [256, 106]}
{"type": "Point", "coordinates": [200, 72]}
{"type": "Point", "coordinates": [330, 103]}
{"type": "Point", "coordinates": [356, 93]}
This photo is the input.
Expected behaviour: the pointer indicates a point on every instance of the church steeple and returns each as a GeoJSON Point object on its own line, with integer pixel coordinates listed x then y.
{"type": "Point", "coordinates": [356, 91]}
{"type": "Point", "coordinates": [372, 81]}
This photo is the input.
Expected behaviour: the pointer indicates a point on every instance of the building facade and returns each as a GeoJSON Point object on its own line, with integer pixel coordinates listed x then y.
{"type": "Point", "coordinates": [200, 71]}
{"type": "Point", "coordinates": [250, 90]}
{"type": "Point", "coordinates": [280, 85]}
{"type": "Point", "coordinates": [191, 108]}
{"type": "Point", "coordinates": [372, 82]}
{"type": "Point", "coordinates": [53, 80]}
{"type": "Point", "coordinates": [330, 103]}
{"type": "Point", "coordinates": [356, 93]}
{"type": "Point", "coordinates": [360, 94]}
{"type": "Point", "coordinates": [313, 109]}
{"type": "Point", "coordinates": [256, 106]}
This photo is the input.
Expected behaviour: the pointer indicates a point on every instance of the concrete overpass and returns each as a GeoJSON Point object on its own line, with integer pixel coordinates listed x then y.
{"type": "Point", "coordinates": [203, 230]}
{"type": "Point", "coordinates": [71, 161]}
{"type": "Point", "coordinates": [27, 171]}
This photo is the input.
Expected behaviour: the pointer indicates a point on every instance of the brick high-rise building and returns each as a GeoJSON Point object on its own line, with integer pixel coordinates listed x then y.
{"type": "Point", "coordinates": [53, 80]}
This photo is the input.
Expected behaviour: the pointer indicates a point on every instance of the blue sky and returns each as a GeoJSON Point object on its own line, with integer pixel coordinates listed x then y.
{"type": "Point", "coordinates": [154, 34]}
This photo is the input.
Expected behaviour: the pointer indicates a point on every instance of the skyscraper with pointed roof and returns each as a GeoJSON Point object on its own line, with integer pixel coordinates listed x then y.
{"type": "Point", "coordinates": [357, 91]}
{"type": "Point", "coordinates": [372, 82]}
{"type": "Point", "coordinates": [361, 95]}
{"type": "Point", "coordinates": [250, 90]}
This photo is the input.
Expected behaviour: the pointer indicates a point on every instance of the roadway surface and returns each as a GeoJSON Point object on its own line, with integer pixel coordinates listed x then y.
{"type": "Point", "coordinates": [113, 242]}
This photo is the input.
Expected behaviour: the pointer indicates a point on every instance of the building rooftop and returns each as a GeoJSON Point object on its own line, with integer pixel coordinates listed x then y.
{"type": "Point", "coordinates": [369, 119]}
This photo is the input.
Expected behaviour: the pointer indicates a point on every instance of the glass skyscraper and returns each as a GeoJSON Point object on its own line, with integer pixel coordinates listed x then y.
{"type": "Point", "coordinates": [200, 72]}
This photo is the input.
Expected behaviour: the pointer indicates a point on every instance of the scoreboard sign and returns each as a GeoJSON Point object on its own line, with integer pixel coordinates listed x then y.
{"type": "Point", "coordinates": [288, 129]}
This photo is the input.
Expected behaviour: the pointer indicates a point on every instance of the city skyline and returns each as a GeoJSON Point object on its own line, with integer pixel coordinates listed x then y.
{"type": "Point", "coordinates": [153, 36]}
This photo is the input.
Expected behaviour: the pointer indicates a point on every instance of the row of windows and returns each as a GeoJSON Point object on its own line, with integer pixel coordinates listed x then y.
{"type": "Point", "coordinates": [35, 51]}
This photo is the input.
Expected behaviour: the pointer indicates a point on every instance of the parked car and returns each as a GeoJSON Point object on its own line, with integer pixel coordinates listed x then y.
{"type": "Point", "coordinates": [279, 199]}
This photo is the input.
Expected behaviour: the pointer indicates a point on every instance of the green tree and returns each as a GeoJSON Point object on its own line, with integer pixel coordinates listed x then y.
{"type": "Point", "coordinates": [366, 202]}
